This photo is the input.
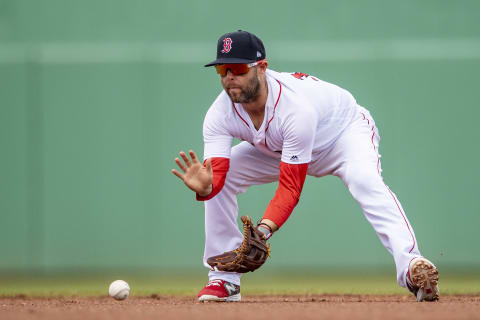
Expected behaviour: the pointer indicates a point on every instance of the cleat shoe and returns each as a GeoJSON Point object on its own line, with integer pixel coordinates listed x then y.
{"type": "Point", "coordinates": [220, 290]}
{"type": "Point", "coordinates": [422, 280]}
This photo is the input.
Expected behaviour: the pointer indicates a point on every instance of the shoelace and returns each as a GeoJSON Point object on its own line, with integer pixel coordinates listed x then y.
{"type": "Point", "coordinates": [214, 283]}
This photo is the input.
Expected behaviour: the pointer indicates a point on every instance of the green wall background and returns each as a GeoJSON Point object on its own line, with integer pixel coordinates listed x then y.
{"type": "Point", "coordinates": [98, 97]}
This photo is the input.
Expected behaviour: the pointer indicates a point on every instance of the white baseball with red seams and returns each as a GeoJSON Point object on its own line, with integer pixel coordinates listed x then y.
{"type": "Point", "coordinates": [119, 290]}
{"type": "Point", "coordinates": [306, 121]}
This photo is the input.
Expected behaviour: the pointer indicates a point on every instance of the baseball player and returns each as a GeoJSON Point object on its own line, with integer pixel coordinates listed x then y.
{"type": "Point", "coordinates": [291, 125]}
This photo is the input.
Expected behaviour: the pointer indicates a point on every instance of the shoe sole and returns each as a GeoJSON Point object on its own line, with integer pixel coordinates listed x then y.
{"type": "Point", "coordinates": [424, 275]}
{"type": "Point", "coordinates": [233, 298]}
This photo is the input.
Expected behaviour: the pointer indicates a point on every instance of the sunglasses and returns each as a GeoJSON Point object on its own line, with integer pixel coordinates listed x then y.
{"type": "Point", "coordinates": [236, 68]}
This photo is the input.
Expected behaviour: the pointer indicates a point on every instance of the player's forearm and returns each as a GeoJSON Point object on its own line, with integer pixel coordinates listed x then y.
{"type": "Point", "coordinates": [206, 191]}
{"type": "Point", "coordinates": [220, 168]}
{"type": "Point", "coordinates": [280, 207]}
{"type": "Point", "coordinates": [290, 184]}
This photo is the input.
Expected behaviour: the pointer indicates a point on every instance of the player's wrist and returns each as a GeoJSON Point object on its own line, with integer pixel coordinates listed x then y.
{"type": "Point", "coordinates": [265, 229]}
{"type": "Point", "coordinates": [206, 192]}
{"type": "Point", "coordinates": [272, 225]}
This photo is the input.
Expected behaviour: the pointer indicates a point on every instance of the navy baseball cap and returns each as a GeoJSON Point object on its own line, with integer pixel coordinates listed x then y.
{"type": "Point", "coordinates": [238, 47]}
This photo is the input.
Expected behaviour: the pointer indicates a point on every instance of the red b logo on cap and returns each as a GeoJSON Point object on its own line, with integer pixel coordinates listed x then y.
{"type": "Point", "coordinates": [227, 45]}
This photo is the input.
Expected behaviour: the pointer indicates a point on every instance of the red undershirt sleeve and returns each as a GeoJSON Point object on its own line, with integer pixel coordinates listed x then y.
{"type": "Point", "coordinates": [220, 168]}
{"type": "Point", "coordinates": [290, 184]}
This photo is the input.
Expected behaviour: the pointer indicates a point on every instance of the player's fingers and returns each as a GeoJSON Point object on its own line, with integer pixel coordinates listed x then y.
{"type": "Point", "coordinates": [185, 158]}
{"type": "Point", "coordinates": [208, 164]}
{"type": "Point", "coordinates": [194, 156]}
{"type": "Point", "coordinates": [178, 174]}
{"type": "Point", "coordinates": [180, 164]}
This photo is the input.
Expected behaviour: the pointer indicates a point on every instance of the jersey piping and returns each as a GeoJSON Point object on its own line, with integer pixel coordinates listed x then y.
{"type": "Point", "coordinates": [273, 115]}
{"type": "Point", "coordinates": [233, 105]}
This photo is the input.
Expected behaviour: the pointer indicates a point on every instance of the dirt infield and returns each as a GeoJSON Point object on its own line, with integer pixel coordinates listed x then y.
{"type": "Point", "coordinates": [252, 307]}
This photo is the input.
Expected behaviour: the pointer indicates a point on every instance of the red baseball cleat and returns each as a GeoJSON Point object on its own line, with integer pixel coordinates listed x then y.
{"type": "Point", "coordinates": [220, 290]}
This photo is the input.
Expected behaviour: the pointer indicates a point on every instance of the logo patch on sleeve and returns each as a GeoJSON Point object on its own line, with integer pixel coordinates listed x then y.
{"type": "Point", "coordinates": [303, 76]}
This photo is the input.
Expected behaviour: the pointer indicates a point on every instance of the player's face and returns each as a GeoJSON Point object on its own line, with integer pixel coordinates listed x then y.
{"type": "Point", "coordinates": [243, 88]}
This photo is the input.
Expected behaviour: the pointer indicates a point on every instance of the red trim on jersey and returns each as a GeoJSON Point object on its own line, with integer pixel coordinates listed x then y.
{"type": "Point", "coordinates": [233, 104]}
{"type": "Point", "coordinates": [220, 168]}
{"type": "Point", "coordinates": [290, 184]}
{"type": "Point", "coordinates": [273, 115]}
{"type": "Point", "coordinates": [390, 191]}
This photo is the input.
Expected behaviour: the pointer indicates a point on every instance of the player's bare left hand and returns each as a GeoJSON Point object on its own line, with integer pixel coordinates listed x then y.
{"type": "Point", "coordinates": [195, 176]}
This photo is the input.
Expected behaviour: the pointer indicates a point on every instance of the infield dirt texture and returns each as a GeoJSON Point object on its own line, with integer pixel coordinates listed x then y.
{"type": "Point", "coordinates": [276, 307]}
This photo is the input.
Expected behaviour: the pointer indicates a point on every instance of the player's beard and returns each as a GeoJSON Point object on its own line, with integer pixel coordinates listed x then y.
{"type": "Point", "coordinates": [248, 94]}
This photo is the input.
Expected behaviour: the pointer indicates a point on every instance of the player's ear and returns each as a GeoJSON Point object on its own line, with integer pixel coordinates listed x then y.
{"type": "Point", "coordinates": [262, 66]}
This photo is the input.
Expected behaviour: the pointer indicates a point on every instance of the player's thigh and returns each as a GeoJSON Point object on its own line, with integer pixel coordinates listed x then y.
{"type": "Point", "coordinates": [356, 150]}
{"type": "Point", "coordinates": [249, 166]}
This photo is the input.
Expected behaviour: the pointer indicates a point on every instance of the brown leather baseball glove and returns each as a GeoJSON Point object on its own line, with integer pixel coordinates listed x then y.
{"type": "Point", "coordinates": [251, 254]}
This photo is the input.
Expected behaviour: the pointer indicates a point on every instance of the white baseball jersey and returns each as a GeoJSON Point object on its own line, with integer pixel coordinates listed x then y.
{"type": "Point", "coordinates": [303, 116]}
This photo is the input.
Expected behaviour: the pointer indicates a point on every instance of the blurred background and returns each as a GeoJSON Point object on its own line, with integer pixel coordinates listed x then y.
{"type": "Point", "coordinates": [97, 97]}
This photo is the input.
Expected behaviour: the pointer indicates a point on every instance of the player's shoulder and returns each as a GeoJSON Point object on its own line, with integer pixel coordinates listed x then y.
{"type": "Point", "coordinates": [222, 102]}
{"type": "Point", "coordinates": [289, 94]}
{"type": "Point", "coordinates": [299, 80]}
{"type": "Point", "coordinates": [292, 106]}
{"type": "Point", "coordinates": [312, 88]}
{"type": "Point", "coordinates": [221, 106]}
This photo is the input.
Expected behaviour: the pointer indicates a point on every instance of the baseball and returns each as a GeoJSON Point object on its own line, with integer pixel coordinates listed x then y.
{"type": "Point", "coordinates": [119, 290]}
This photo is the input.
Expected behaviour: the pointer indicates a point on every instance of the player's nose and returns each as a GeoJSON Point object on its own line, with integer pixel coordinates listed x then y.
{"type": "Point", "coordinates": [230, 74]}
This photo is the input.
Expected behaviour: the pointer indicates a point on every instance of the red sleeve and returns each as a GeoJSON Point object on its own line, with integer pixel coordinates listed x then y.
{"type": "Point", "coordinates": [220, 168]}
{"type": "Point", "coordinates": [290, 184]}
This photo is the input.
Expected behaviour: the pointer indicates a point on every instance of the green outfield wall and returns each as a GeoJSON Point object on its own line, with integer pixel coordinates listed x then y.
{"type": "Point", "coordinates": [98, 97]}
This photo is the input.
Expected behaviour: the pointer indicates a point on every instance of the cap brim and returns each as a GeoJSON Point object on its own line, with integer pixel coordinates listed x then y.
{"type": "Point", "coordinates": [228, 60]}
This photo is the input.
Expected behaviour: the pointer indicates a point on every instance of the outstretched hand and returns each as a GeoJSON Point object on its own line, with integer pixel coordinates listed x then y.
{"type": "Point", "coordinates": [195, 176]}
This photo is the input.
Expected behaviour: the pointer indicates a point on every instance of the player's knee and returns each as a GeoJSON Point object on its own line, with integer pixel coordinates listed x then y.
{"type": "Point", "coordinates": [232, 182]}
{"type": "Point", "coordinates": [361, 177]}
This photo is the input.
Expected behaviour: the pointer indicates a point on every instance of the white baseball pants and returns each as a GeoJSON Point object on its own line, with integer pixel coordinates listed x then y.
{"type": "Point", "coordinates": [354, 158]}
